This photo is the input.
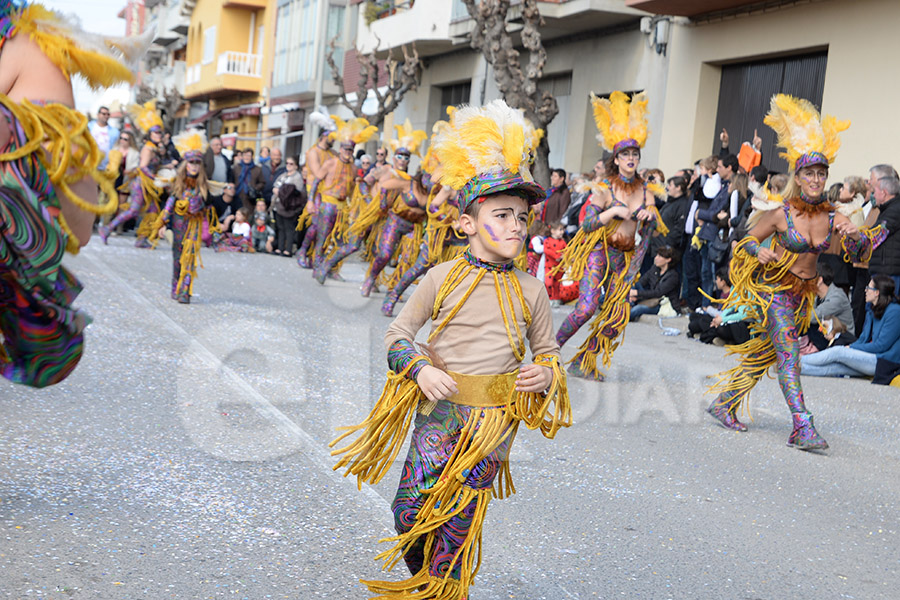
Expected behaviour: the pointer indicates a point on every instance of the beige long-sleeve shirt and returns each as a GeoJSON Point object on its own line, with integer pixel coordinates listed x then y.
{"type": "Point", "coordinates": [475, 341]}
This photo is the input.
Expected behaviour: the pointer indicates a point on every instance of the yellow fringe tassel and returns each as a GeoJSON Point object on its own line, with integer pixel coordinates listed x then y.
{"type": "Point", "coordinates": [190, 251]}
{"type": "Point", "coordinates": [409, 248]}
{"type": "Point", "coordinates": [384, 430]}
{"type": "Point", "coordinates": [59, 138]}
{"type": "Point", "coordinates": [549, 411]}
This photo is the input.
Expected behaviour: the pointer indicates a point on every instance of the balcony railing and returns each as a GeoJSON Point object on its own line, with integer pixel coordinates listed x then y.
{"type": "Point", "coordinates": [240, 63]}
{"type": "Point", "coordinates": [379, 9]}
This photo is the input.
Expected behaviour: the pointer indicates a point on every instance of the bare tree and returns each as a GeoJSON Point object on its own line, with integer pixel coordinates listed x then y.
{"type": "Point", "coordinates": [167, 105]}
{"type": "Point", "coordinates": [519, 87]}
{"type": "Point", "coordinates": [403, 76]}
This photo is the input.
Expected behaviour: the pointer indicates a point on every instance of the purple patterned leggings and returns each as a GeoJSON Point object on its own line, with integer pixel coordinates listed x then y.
{"type": "Point", "coordinates": [782, 333]}
{"type": "Point", "coordinates": [395, 228]}
{"type": "Point", "coordinates": [590, 290]}
{"type": "Point", "coordinates": [325, 219]}
{"type": "Point", "coordinates": [179, 228]}
{"type": "Point", "coordinates": [433, 442]}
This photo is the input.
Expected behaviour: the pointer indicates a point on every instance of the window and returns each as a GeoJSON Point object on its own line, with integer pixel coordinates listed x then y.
{"type": "Point", "coordinates": [454, 95]}
{"type": "Point", "coordinates": [209, 45]}
{"type": "Point", "coordinates": [560, 86]}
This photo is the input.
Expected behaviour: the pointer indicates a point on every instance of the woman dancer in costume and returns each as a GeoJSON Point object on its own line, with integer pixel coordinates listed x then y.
{"type": "Point", "coordinates": [469, 392]}
{"type": "Point", "coordinates": [185, 213]}
{"type": "Point", "coordinates": [399, 202]}
{"type": "Point", "coordinates": [621, 208]}
{"type": "Point", "coordinates": [316, 157]}
{"type": "Point", "coordinates": [145, 195]}
{"type": "Point", "coordinates": [337, 182]}
{"type": "Point", "coordinates": [121, 166]}
{"type": "Point", "coordinates": [48, 184]}
{"type": "Point", "coordinates": [777, 284]}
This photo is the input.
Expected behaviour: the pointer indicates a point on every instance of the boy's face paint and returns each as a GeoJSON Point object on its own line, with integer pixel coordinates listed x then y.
{"type": "Point", "coordinates": [500, 228]}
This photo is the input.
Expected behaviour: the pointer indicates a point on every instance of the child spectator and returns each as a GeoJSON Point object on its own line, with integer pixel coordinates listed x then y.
{"type": "Point", "coordinates": [879, 340]}
{"type": "Point", "coordinates": [554, 246]}
{"type": "Point", "coordinates": [239, 238]}
{"type": "Point", "coordinates": [536, 235]}
{"type": "Point", "coordinates": [661, 281]}
{"type": "Point", "coordinates": [262, 236]}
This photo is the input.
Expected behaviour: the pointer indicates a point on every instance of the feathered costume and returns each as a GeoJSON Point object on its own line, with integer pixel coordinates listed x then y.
{"type": "Point", "coordinates": [779, 303]}
{"type": "Point", "coordinates": [609, 261]}
{"type": "Point", "coordinates": [185, 213]}
{"type": "Point", "coordinates": [393, 214]}
{"type": "Point", "coordinates": [459, 455]}
{"type": "Point", "coordinates": [333, 193]}
{"type": "Point", "coordinates": [307, 221]}
{"type": "Point", "coordinates": [440, 240]}
{"type": "Point", "coordinates": [145, 193]}
{"type": "Point", "coordinates": [49, 149]}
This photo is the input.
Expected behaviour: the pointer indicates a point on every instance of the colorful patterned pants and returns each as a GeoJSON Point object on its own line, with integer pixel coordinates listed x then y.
{"type": "Point", "coordinates": [782, 338]}
{"type": "Point", "coordinates": [179, 229]}
{"type": "Point", "coordinates": [134, 210]}
{"type": "Point", "coordinates": [324, 223]}
{"type": "Point", "coordinates": [395, 228]}
{"type": "Point", "coordinates": [591, 289]}
{"type": "Point", "coordinates": [433, 442]}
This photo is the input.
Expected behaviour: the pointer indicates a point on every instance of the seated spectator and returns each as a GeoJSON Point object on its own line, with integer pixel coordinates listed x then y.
{"type": "Point", "coordinates": [720, 327]}
{"type": "Point", "coordinates": [239, 238]}
{"type": "Point", "coordinates": [831, 301]}
{"type": "Point", "coordinates": [662, 281]}
{"type": "Point", "coordinates": [879, 340]}
{"type": "Point", "coordinates": [831, 332]}
{"type": "Point", "coordinates": [262, 236]}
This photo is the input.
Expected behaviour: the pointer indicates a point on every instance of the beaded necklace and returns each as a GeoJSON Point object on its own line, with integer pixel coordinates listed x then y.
{"type": "Point", "coordinates": [506, 284]}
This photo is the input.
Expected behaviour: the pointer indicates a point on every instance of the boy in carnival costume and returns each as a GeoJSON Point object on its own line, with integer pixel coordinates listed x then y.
{"type": "Point", "coordinates": [776, 284]}
{"type": "Point", "coordinates": [467, 388]}
{"type": "Point", "coordinates": [605, 250]}
{"type": "Point", "coordinates": [48, 183]}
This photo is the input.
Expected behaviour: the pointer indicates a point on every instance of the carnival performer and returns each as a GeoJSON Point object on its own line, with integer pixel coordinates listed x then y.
{"type": "Point", "coordinates": [316, 157]}
{"type": "Point", "coordinates": [121, 166]}
{"type": "Point", "coordinates": [186, 213]}
{"type": "Point", "coordinates": [398, 209]}
{"type": "Point", "coordinates": [48, 183]}
{"type": "Point", "coordinates": [337, 180]}
{"type": "Point", "coordinates": [468, 388]}
{"type": "Point", "coordinates": [621, 209]}
{"type": "Point", "coordinates": [145, 194]}
{"type": "Point", "coordinates": [777, 285]}
{"type": "Point", "coordinates": [356, 234]}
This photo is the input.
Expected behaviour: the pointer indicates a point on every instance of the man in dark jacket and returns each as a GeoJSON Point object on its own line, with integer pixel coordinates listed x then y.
{"type": "Point", "coordinates": [558, 198]}
{"type": "Point", "coordinates": [271, 169]}
{"type": "Point", "coordinates": [218, 168]}
{"type": "Point", "coordinates": [248, 180]}
{"type": "Point", "coordinates": [886, 257]}
{"type": "Point", "coordinates": [709, 220]}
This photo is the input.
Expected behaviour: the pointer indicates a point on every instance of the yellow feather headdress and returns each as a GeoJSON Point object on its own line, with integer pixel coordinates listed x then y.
{"type": "Point", "coordinates": [807, 138]}
{"type": "Point", "coordinates": [144, 116]}
{"type": "Point", "coordinates": [190, 144]}
{"type": "Point", "coordinates": [408, 138]}
{"type": "Point", "coordinates": [488, 150]}
{"type": "Point", "coordinates": [621, 123]}
{"type": "Point", "coordinates": [354, 131]}
{"type": "Point", "coordinates": [103, 61]}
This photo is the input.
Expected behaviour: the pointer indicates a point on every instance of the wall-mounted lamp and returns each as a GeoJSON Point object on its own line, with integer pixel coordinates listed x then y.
{"type": "Point", "coordinates": [657, 31]}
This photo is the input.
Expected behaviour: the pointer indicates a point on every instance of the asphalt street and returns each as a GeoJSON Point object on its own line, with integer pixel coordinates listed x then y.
{"type": "Point", "coordinates": [186, 457]}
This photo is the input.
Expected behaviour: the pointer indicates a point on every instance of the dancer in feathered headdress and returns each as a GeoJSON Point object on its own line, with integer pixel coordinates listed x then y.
{"type": "Point", "coordinates": [468, 386]}
{"type": "Point", "coordinates": [146, 192]}
{"type": "Point", "coordinates": [441, 240]}
{"type": "Point", "coordinates": [185, 213]}
{"type": "Point", "coordinates": [776, 285]}
{"type": "Point", "coordinates": [395, 210]}
{"type": "Point", "coordinates": [49, 175]}
{"type": "Point", "coordinates": [316, 156]}
{"type": "Point", "coordinates": [333, 186]}
{"type": "Point", "coordinates": [605, 250]}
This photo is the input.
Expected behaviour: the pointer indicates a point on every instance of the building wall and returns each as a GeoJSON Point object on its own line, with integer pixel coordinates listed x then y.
{"type": "Point", "coordinates": [860, 85]}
